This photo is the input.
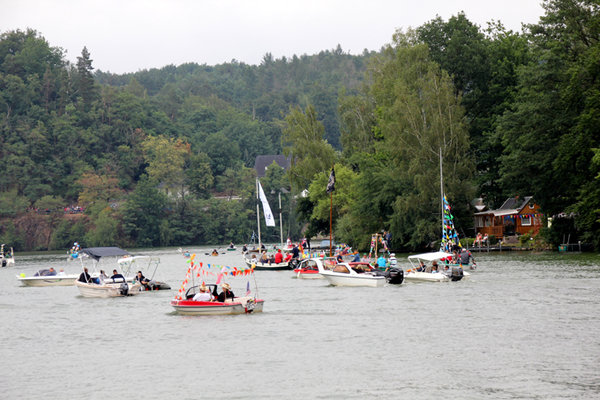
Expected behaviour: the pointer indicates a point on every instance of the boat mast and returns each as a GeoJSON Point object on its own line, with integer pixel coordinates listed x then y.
{"type": "Point", "coordinates": [442, 199]}
{"type": "Point", "coordinates": [280, 221]}
{"type": "Point", "coordinates": [258, 215]}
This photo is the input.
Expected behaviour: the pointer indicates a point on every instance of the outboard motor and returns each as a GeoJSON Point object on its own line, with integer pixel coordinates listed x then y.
{"type": "Point", "coordinates": [124, 289]}
{"type": "Point", "coordinates": [457, 274]}
{"type": "Point", "coordinates": [4, 262]}
{"type": "Point", "coordinates": [395, 276]}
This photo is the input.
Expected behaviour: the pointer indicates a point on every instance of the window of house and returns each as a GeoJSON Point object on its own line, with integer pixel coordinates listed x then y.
{"type": "Point", "coordinates": [525, 220]}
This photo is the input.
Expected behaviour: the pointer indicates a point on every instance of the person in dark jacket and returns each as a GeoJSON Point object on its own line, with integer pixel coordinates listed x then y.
{"type": "Point", "coordinates": [85, 276]}
{"type": "Point", "coordinates": [225, 294]}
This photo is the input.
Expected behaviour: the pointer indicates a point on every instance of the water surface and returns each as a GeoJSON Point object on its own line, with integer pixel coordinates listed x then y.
{"type": "Point", "coordinates": [524, 326]}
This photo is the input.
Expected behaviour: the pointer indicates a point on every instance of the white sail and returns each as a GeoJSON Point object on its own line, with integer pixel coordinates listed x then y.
{"type": "Point", "coordinates": [269, 219]}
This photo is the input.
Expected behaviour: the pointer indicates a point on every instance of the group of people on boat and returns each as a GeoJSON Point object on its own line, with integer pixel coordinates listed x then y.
{"type": "Point", "coordinates": [85, 277]}
{"type": "Point", "coordinates": [204, 294]}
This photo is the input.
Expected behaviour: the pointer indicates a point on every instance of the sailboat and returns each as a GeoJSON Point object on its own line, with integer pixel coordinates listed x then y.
{"type": "Point", "coordinates": [441, 259]}
{"type": "Point", "coordinates": [270, 221]}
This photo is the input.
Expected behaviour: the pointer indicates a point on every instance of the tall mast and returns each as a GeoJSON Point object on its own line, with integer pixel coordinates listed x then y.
{"type": "Point", "coordinates": [258, 215]}
{"type": "Point", "coordinates": [442, 198]}
{"type": "Point", "coordinates": [280, 219]}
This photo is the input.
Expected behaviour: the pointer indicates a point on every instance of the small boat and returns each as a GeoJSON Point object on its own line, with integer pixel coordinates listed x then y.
{"type": "Point", "coordinates": [41, 278]}
{"type": "Point", "coordinates": [184, 253]}
{"type": "Point", "coordinates": [108, 287]}
{"type": "Point", "coordinates": [422, 273]}
{"type": "Point", "coordinates": [354, 274]}
{"type": "Point", "coordinates": [6, 259]}
{"type": "Point", "coordinates": [237, 305]}
{"type": "Point", "coordinates": [309, 267]}
{"type": "Point", "coordinates": [148, 265]}
{"type": "Point", "coordinates": [265, 266]}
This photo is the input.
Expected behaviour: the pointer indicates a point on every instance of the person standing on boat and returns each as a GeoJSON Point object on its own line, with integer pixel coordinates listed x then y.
{"type": "Point", "coordinates": [225, 294]}
{"type": "Point", "coordinates": [85, 276]}
{"type": "Point", "coordinates": [393, 261]}
{"type": "Point", "coordinates": [295, 253]}
{"type": "Point", "coordinates": [465, 257]}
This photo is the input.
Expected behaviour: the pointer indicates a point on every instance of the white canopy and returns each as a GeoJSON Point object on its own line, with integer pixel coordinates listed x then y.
{"type": "Point", "coordinates": [430, 256]}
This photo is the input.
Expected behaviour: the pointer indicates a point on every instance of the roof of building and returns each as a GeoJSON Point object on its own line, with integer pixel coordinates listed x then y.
{"type": "Point", "coordinates": [512, 205]}
{"type": "Point", "coordinates": [262, 162]}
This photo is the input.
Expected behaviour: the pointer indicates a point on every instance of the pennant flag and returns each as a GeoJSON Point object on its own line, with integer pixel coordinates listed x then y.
{"type": "Point", "coordinates": [269, 219]}
{"type": "Point", "coordinates": [331, 183]}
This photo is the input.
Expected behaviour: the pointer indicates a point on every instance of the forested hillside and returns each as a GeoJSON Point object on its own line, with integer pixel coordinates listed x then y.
{"type": "Point", "coordinates": [165, 156]}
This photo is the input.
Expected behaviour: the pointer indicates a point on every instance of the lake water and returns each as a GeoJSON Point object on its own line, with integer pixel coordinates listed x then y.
{"type": "Point", "coordinates": [524, 326]}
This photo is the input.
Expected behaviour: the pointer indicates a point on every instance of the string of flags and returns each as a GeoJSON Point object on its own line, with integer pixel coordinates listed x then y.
{"type": "Point", "coordinates": [449, 234]}
{"type": "Point", "coordinates": [203, 270]}
{"type": "Point", "coordinates": [374, 239]}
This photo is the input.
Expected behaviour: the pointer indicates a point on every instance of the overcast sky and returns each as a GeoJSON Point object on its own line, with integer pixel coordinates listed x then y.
{"type": "Point", "coordinates": [130, 35]}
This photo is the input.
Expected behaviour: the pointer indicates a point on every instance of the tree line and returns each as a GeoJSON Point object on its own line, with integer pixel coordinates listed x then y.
{"type": "Point", "coordinates": [165, 156]}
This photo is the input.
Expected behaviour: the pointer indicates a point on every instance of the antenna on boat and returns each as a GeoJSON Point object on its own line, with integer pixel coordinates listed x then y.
{"type": "Point", "coordinates": [258, 215]}
{"type": "Point", "coordinates": [442, 199]}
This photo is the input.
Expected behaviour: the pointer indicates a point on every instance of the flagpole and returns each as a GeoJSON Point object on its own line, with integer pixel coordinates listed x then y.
{"type": "Point", "coordinates": [330, 224]}
{"type": "Point", "coordinates": [258, 216]}
{"type": "Point", "coordinates": [442, 201]}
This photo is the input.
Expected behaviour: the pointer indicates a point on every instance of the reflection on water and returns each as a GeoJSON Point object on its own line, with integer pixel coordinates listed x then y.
{"type": "Point", "coordinates": [524, 326]}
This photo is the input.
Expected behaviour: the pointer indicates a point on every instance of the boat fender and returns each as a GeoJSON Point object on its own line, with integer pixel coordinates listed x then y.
{"type": "Point", "coordinates": [250, 306]}
{"type": "Point", "coordinates": [124, 289]}
{"type": "Point", "coordinates": [4, 263]}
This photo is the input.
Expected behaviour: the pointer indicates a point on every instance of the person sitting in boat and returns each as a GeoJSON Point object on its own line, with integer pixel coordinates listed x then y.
{"type": "Point", "coordinates": [116, 275]}
{"type": "Point", "coordinates": [215, 252]}
{"type": "Point", "coordinates": [231, 245]}
{"type": "Point", "coordinates": [142, 279]}
{"type": "Point", "coordinates": [278, 257]}
{"type": "Point", "coordinates": [264, 258]}
{"type": "Point", "coordinates": [203, 294]}
{"type": "Point", "coordinates": [288, 257]}
{"type": "Point", "coordinates": [339, 258]}
{"type": "Point", "coordinates": [102, 277]}
{"type": "Point", "coordinates": [85, 276]}
{"type": "Point", "coordinates": [434, 268]}
{"type": "Point", "coordinates": [225, 294]}
{"type": "Point", "coordinates": [245, 248]}
{"type": "Point", "coordinates": [421, 267]}
{"type": "Point", "coordinates": [272, 259]}
{"type": "Point", "coordinates": [381, 261]}
{"type": "Point", "coordinates": [288, 242]}
{"type": "Point", "coordinates": [262, 247]}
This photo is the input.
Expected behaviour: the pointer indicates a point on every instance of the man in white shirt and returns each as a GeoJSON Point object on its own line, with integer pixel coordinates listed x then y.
{"type": "Point", "coordinates": [203, 295]}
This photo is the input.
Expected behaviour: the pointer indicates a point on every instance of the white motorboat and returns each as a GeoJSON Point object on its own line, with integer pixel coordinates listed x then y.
{"type": "Point", "coordinates": [6, 259]}
{"type": "Point", "coordinates": [145, 264]}
{"type": "Point", "coordinates": [109, 288]}
{"type": "Point", "coordinates": [309, 267]}
{"type": "Point", "coordinates": [48, 280]}
{"type": "Point", "coordinates": [116, 286]}
{"type": "Point", "coordinates": [422, 272]}
{"type": "Point", "coordinates": [354, 274]}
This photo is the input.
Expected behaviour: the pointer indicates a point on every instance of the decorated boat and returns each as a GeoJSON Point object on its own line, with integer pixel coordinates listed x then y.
{"type": "Point", "coordinates": [6, 258]}
{"type": "Point", "coordinates": [266, 266]}
{"type": "Point", "coordinates": [354, 274]}
{"type": "Point", "coordinates": [213, 303]}
{"type": "Point", "coordinates": [438, 271]}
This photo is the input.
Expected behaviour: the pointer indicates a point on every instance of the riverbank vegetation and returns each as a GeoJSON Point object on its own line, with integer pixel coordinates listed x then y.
{"type": "Point", "coordinates": [165, 156]}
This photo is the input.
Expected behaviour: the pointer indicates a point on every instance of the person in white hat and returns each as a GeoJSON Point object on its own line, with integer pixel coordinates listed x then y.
{"type": "Point", "coordinates": [226, 293]}
{"type": "Point", "coordinates": [203, 294]}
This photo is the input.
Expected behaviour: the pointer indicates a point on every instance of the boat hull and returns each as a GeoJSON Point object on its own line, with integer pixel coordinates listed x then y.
{"type": "Point", "coordinates": [425, 277]}
{"type": "Point", "coordinates": [53, 280]}
{"type": "Point", "coordinates": [308, 274]}
{"type": "Point", "coordinates": [107, 290]}
{"type": "Point", "coordinates": [240, 306]}
{"type": "Point", "coordinates": [339, 279]}
{"type": "Point", "coordinates": [268, 267]}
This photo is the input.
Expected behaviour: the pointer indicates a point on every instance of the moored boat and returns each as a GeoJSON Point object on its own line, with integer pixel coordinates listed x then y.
{"type": "Point", "coordinates": [309, 267]}
{"type": "Point", "coordinates": [48, 280]}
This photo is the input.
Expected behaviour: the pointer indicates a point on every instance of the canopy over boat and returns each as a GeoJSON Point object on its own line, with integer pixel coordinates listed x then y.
{"type": "Point", "coordinates": [438, 255]}
{"type": "Point", "coordinates": [99, 252]}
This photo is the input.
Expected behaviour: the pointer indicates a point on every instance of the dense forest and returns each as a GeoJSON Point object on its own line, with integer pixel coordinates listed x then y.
{"type": "Point", "coordinates": [165, 157]}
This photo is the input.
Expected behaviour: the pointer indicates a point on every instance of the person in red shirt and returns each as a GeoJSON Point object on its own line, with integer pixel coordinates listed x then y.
{"type": "Point", "coordinates": [278, 257]}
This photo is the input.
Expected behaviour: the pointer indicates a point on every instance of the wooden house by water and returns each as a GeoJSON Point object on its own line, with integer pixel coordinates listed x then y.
{"type": "Point", "coordinates": [517, 216]}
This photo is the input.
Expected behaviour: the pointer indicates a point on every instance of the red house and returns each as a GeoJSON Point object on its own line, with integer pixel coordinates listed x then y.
{"type": "Point", "coordinates": [517, 216]}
